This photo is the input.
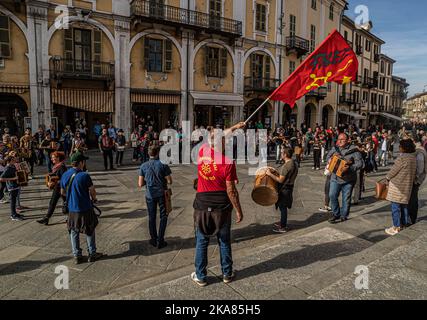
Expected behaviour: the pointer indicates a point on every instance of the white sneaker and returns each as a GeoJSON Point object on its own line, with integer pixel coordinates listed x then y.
{"type": "Point", "coordinates": [392, 231]}
{"type": "Point", "coordinates": [3, 201]}
{"type": "Point", "coordinates": [198, 281]}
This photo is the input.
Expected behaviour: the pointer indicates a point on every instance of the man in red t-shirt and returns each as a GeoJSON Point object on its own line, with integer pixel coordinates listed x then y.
{"type": "Point", "coordinates": [216, 196]}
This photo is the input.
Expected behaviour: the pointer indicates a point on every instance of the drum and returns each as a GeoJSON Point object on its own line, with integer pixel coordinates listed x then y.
{"type": "Point", "coordinates": [22, 178]}
{"type": "Point", "coordinates": [265, 189]}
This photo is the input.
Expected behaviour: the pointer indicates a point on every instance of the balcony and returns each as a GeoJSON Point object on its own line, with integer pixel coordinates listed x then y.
{"type": "Point", "coordinates": [381, 109]}
{"type": "Point", "coordinates": [318, 94]}
{"type": "Point", "coordinates": [148, 11]}
{"type": "Point", "coordinates": [297, 45]}
{"type": "Point", "coordinates": [81, 70]}
{"type": "Point", "coordinates": [368, 82]}
{"type": "Point", "coordinates": [359, 49]}
{"type": "Point", "coordinates": [346, 98]}
{"type": "Point", "coordinates": [399, 95]}
{"type": "Point", "coordinates": [253, 84]}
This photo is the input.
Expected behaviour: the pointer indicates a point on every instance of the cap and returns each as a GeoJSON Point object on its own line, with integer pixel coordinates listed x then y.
{"type": "Point", "coordinates": [78, 157]}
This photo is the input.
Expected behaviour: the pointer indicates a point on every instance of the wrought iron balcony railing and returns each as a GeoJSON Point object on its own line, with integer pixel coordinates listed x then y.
{"type": "Point", "coordinates": [261, 84]}
{"type": "Point", "coordinates": [297, 44]}
{"type": "Point", "coordinates": [319, 93]}
{"type": "Point", "coordinates": [368, 82]}
{"type": "Point", "coordinates": [156, 12]}
{"type": "Point", "coordinates": [347, 98]}
{"type": "Point", "coordinates": [81, 69]}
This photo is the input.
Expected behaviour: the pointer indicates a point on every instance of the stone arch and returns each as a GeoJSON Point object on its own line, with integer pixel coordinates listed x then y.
{"type": "Point", "coordinates": [21, 25]}
{"type": "Point", "coordinates": [135, 39]}
{"type": "Point", "coordinates": [95, 23]}
{"type": "Point", "coordinates": [267, 52]}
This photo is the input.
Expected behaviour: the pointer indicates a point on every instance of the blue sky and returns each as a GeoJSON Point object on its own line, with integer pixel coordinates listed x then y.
{"type": "Point", "coordinates": [403, 26]}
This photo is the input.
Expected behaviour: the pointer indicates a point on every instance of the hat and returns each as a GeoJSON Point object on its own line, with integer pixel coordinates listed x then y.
{"type": "Point", "coordinates": [78, 157]}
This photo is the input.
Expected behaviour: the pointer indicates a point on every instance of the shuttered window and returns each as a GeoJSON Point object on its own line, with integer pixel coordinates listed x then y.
{"type": "Point", "coordinates": [312, 38]}
{"type": "Point", "coordinates": [5, 49]}
{"type": "Point", "coordinates": [97, 45]}
{"type": "Point", "coordinates": [69, 49]}
{"type": "Point", "coordinates": [261, 17]}
{"type": "Point", "coordinates": [216, 62]}
{"type": "Point", "coordinates": [157, 55]}
{"type": "Point", "coordinates": [292, 25]}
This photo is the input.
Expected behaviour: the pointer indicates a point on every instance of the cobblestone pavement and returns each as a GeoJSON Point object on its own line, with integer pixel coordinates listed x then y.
{"type": "Point", "coordinates": [308, 262]}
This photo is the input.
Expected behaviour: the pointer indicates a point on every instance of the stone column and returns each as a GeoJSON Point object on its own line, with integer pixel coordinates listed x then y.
{"type": "Point", "coordinates": [41, 109]}
{"type": "Point", "coordinates": [122, 110]}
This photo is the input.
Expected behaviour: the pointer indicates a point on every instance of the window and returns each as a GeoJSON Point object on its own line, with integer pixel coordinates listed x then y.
{"type": "Point", "coordinates": [313, 4]}
{"type": "Point", "coordinates": [375, 49]}
{"type": "Point", "coordinates": [215, 13]}
{"type": "Point", "coordinates": [386, 101]}
{"type": "Point", "coordinates": [5, 50]}
{"type": "Point", "coordinates": [365, 74]}
{"type": "Point", "coordinates": [329, 87]}
{"type": "Point", "coordinates": [368, 45]}
{"type": "Point", "coordinates": [291, 67]}
{"type": "Point", "coordinates": [312, 38]}
{"type": "Point", "coordinates": [389, 69]}
{"type": "Point", "coordinates": [365, 96]}
{"type": "Point", "coordinates": [261, 17]}
{"type": "Point", "coordinates": [292, 25]}
{"type": "Point", "coordinates": [216, 62]}
{"type": "Point", "coordinates": [158, 55]}
{"type": "Point", "coordinates": [345, 35]}
{"type": "Point", "coordinates": [356, 96]}
{"type": "Point", "coordinates": [382, 67]}
{"type": "Point", "coordinates": [331, 11]}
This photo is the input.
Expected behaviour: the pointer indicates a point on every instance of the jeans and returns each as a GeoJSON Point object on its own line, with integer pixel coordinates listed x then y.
{"type": "Point", "coordinates": [283, 215]}
{"type": "Point", "coordinates": [13, 200]}
{"type": "Point", "coordinates": [372, 161]}
{"type": "Point", "coordinates": [413, 204]}
{"type": "Point", "coordinates": [307, 149]}
{"type": "Point", "coordinates": [75, 243]}
{"type": "Point", "coordinates": [334, 192]}
{"type": "Point", "coordinates": [399, 213]}
{"type": "Point", "coordinates": [56, 195]}
{"type": "Point", "coordinates": [327, 188]}
{"type": "Point", "coordinates": [48, 162]}
{"type": "Point", "coordinates": [108, 154]}
{"type": "Point", "coordinates": [135, 155]}
{"type": "Point", "coordinates": [119, 157]}
{"type": "Point", "coordinates": [152, 213]}
{"type": "Point", "coordinates": [202, 243]}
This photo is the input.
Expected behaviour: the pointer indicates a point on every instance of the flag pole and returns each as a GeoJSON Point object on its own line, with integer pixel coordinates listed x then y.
{"type": "Point", "coordinates": [258, 109]}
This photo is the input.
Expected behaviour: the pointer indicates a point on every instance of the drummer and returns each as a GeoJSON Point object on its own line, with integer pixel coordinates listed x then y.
{"type": "Point", "coordinates": [287, 174]}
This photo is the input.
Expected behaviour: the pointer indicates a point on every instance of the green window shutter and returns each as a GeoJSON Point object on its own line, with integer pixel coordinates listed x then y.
{"type": "Point", "coordinates": [223, 64]}
{"type": "Point", "coordinates": [207, 62]}
{"type": "Point", "coordinates": [168, 55]}
{"type": "Point", "coordinates": [97, 45]}
{"type": "Point", "coordinates": [263, 18]}
{"type": "Point", "coordinates": [5, 49]}
{"type": "Point", "coordinates": [258, 17]}
{"type": "Point", "coordinates": [68, 49]}
{"type": "Point", "coordinates": [146, 53]}
{"type": "Point", "coordinates": [253, 65]}
{"type": "Point", "coordinates": [267, 71]}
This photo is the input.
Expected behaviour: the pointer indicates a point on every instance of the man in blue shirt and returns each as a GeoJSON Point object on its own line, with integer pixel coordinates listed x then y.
{"type": "Point", "coordinates": [80, 193]}
{"type": "Point", "coordinates": [156, 176]}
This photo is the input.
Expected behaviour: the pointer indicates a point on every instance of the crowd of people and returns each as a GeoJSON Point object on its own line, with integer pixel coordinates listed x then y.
{"type": "Point", "coordinates": [361, 151]}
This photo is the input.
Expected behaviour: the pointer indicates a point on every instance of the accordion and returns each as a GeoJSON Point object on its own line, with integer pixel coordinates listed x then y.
{"type": "Point", "coordinates": [22, 178]}
{"type": "Point", "coordinates": [51, 181]}
{"type": "Point", "coordinates": [337, 165]}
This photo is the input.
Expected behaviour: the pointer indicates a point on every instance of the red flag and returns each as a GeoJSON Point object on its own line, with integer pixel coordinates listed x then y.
{"type": "Point", "coordinates": [333, 61]}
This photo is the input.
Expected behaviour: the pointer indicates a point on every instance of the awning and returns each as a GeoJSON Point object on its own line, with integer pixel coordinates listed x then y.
{"type": "Point", "coordinates": [391, 116]}
{"type": "Point", "coordinates": [86, 100]}
{"type": "Point", "coordinates": [19, 89]}
{"type": "Point", "coordinates": [355, 115]}
{"type": "Point", "coordinates": [217, 99]}
{"type": "Point", "coordinates": [167, 97]}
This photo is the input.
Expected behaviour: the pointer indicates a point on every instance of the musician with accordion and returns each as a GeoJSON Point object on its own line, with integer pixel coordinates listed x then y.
{"type": "Point", "coordinates": [344, 162]}
{"type": "Point", "coordinates": [52, 182]}
{"type": "Point", "coordinates": [10, 176]}
{"type": "Point", "coordinates": [27, 147]}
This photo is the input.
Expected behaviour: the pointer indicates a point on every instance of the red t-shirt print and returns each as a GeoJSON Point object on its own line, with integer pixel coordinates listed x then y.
{"type": "Point", "coordinates": [214, 170]}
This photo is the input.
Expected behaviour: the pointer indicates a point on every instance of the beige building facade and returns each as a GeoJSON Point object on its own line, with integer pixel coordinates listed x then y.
{"type": "Point", "coordinates": [415, 108]}
{"type": "Point", "coordinates": [210, 62]}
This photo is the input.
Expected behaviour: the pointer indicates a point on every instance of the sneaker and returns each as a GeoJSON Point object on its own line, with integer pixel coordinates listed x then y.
{"type": "Point", "coordinates": [344, 219]}
{"type": "Point", "coordinates": [162, 245]}
{"type": "Point", "coordinates": [334, 219]}
{"type": "Point", "coordinates": [78, 260]}
{"type": "Point", "coordinates": [94, 257]}
{"type": "Point", "coordinates": [277, 224]}
{"type": "Point", "coordinates": [3, 201]}
{"type": "Point", "coordinates": [44, 221]}
{"type": "Point", "coordinates": [153, 242]}
{"type": "Point", "coordinates": [313, 168]}
{"type": "Point", "coordinates": [17, 218]}
{"type": "Point", "coordinates": [196, 280]}
{"type": "Point", "coordinates": [324, 209]}
{"type": "Point", "coordinates": [392, 231]}
{"type": "Point", "coordinates": [230, 278]}
{"type": "Point", "coordinates": [318, 169]}
{"type": "Point", "coordinates": [280, 230]}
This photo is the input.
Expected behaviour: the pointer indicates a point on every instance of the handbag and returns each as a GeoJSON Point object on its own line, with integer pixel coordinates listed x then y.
{"type": "Point", "coordinates": [381, 189]}
{"type": "Point", "coordinates": [168, 201]}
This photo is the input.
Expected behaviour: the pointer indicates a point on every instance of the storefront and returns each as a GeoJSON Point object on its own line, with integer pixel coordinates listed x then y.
{"type": "Point", "coordinates": [13, 109]}
{"type": "Point", "coordinates": [347, 117]}
{"type": "Point", "coordinates": [264, 115]}
{"type": "Point", "coordinates": [160, 108]}
{"type": "Point", "coordinates": [216, 109]}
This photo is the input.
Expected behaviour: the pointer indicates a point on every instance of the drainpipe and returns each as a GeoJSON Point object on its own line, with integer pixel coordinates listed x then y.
{"type": "Point", "coordinates": [188, 69]}
{"type": "Point", "coordinates": [280, 57]}
{"type": "Point", "coordinates": [338, 91]}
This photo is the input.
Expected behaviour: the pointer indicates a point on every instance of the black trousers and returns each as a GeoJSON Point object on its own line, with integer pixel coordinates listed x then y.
{"type": "Point", "coordinates": [119, 157]}
{"type": "Point", "coordinates": [316, 156]}
{"type": "Point", "coordinates": [56, 195]}
{"type": "Point", "coordinates": [327, 188]}
{"type": "Point", "coordinates": [31, 161]}
{"type": "Point", "coordinates": [413, 203]}
{"type": "Point", "coordinates": [2, 188]}
{"type": "Point", "coordinates": [108, 154]}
